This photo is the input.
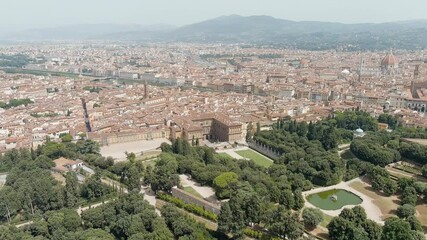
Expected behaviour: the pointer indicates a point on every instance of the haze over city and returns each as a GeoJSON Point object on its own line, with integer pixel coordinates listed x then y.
{"type": "Point", "coordinates": [205, 120]}
{"type": "Point", "coordinates": [24, 14]}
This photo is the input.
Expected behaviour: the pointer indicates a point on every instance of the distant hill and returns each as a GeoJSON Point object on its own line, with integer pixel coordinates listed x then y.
{"type": "Point", "coordinates": [82, 32]}
{"type": "Point", "coordinates": [259, 30]}
{"type": "Point", "coordinates": [305, 34]}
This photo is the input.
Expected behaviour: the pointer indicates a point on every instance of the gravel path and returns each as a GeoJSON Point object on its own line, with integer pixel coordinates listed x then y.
{"type": "Point", "coordinates": [150, 197]}
{"type": "Point", "coordinates": [232, 152]}
{"type": "Point", "coordinates": [372, 211]}
{"type": "Point", "coordinates": [205, 192]}
{"type": "Point", "coordinates": [24, 224]}
{"type": "Point", "coordinates": [417, 140]}
{"type": "Point", "coordinates": [82, 209]}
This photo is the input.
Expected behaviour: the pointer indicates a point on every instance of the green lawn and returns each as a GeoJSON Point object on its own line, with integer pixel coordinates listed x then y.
{"type": "Point", "coordinates": [150, 162]}
{"type": "Point", "coordinates": [256, 157]}
{"type": "Point", "coordinates": [409, 169]}
{"type": "Point", "coordinates": [193, 192]}
{"type": "Point", "coordinates": [326, 219]}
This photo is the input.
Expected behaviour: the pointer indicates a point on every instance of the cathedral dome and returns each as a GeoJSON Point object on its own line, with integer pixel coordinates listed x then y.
{"type": "Point", "coordinates": [389, 60]}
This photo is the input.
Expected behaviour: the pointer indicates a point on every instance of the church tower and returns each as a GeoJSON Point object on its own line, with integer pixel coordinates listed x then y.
{"type": "Point", "coordinates": [145, 89]}
{"type": "Point", "coordinates": [416, 71]}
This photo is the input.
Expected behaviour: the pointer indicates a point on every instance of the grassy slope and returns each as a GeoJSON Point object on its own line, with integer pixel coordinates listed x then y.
{"type": "Point", "coordinates": [256, 157]}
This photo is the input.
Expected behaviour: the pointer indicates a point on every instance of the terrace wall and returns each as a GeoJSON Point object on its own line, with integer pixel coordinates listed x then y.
{"type": "Point", "coordinates": [188, 198]}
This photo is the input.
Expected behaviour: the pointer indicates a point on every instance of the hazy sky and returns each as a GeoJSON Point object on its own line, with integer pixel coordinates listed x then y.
{"type": "Point", "coordinates": [42, 13]}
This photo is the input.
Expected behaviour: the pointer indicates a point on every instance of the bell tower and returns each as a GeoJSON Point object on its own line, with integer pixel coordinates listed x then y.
{"type": "Point", "coordinates": [145, 89]}
{"type": "Point", "coordinates": [416, 71]}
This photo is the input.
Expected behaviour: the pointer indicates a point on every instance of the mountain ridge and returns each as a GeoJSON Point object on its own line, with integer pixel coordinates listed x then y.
{"type": "Point", "coordinates": [257, 29]}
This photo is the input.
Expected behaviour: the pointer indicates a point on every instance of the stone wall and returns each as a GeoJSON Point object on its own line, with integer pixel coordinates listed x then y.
{"type": "Point", "coordinates": [188, 198]}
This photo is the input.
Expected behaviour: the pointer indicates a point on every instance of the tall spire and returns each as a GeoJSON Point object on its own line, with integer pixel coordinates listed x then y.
{"type": "Point", "coordinates": [145, 89]}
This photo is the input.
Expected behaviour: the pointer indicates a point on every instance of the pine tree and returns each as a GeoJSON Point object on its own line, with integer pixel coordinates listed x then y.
{"type": "Point", "coordinates": [225, 219]}
{"type": "Point", "coordinates": [302, 129]}
{"type": "Point", "coordinates": [249, 132]}
{"type": "Point", "coordinates": [148, 175]}
{"type": "Point", "coordinates": [33, 154]}
{"type": "Point", "coordinates": [131, 157]}
{"type": "Point", "coordinates": [133, 178]}
{"type": "Point", "coordinates": [329, 138]}
{"type": "Point", "coordinates": [186, 150]}
{"type": "Point", "coordinates": [299, 200]}
{"type": "Point", "coordinates": [177, 146]}
{"type": "Point", "coordinates": [71, 189]}
{"type": "Point", "coordinates": [310, 133]}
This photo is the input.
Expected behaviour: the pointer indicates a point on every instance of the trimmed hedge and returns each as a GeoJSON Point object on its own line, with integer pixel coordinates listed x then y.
{"type": "Point", "coordinates": [188, 206]}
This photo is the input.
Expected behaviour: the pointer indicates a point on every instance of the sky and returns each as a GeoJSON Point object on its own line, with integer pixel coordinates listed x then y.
{"type": "Point", "coordinates": [18, 14]}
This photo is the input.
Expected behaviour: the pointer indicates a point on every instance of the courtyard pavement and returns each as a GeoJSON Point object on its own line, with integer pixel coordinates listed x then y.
{"type": "Point", "coordinates": [117, 151]}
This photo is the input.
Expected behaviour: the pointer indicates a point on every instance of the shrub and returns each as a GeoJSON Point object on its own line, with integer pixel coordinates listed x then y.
{"type": "Point", "coordinates": [258, 234]}
{"type": "Point", "coordinates": [409, 196]}
{"type": "Point", "coordinates": [312, 217]}
{"type": "Point", "coordinates": [405, 211]}
{"type": "Point", "coordinates": [424, 170]}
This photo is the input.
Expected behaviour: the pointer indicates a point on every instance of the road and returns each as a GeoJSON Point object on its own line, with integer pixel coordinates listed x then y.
{"type": "Point", "coordinates": [3, 179]}
{"type": "Point", "coordinates": [24, 224]}
{"type": "Point", "coordinates": [82, 209]}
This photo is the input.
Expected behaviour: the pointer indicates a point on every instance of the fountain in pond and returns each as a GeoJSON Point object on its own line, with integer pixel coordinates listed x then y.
{"type": "Point", "coordinates": [333, 199]}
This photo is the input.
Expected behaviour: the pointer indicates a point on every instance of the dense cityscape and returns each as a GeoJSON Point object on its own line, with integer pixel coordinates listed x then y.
{"type": "Point", "coordinates": [216, 132]}
{"type": "Point", "coordinates": [146, 92]}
